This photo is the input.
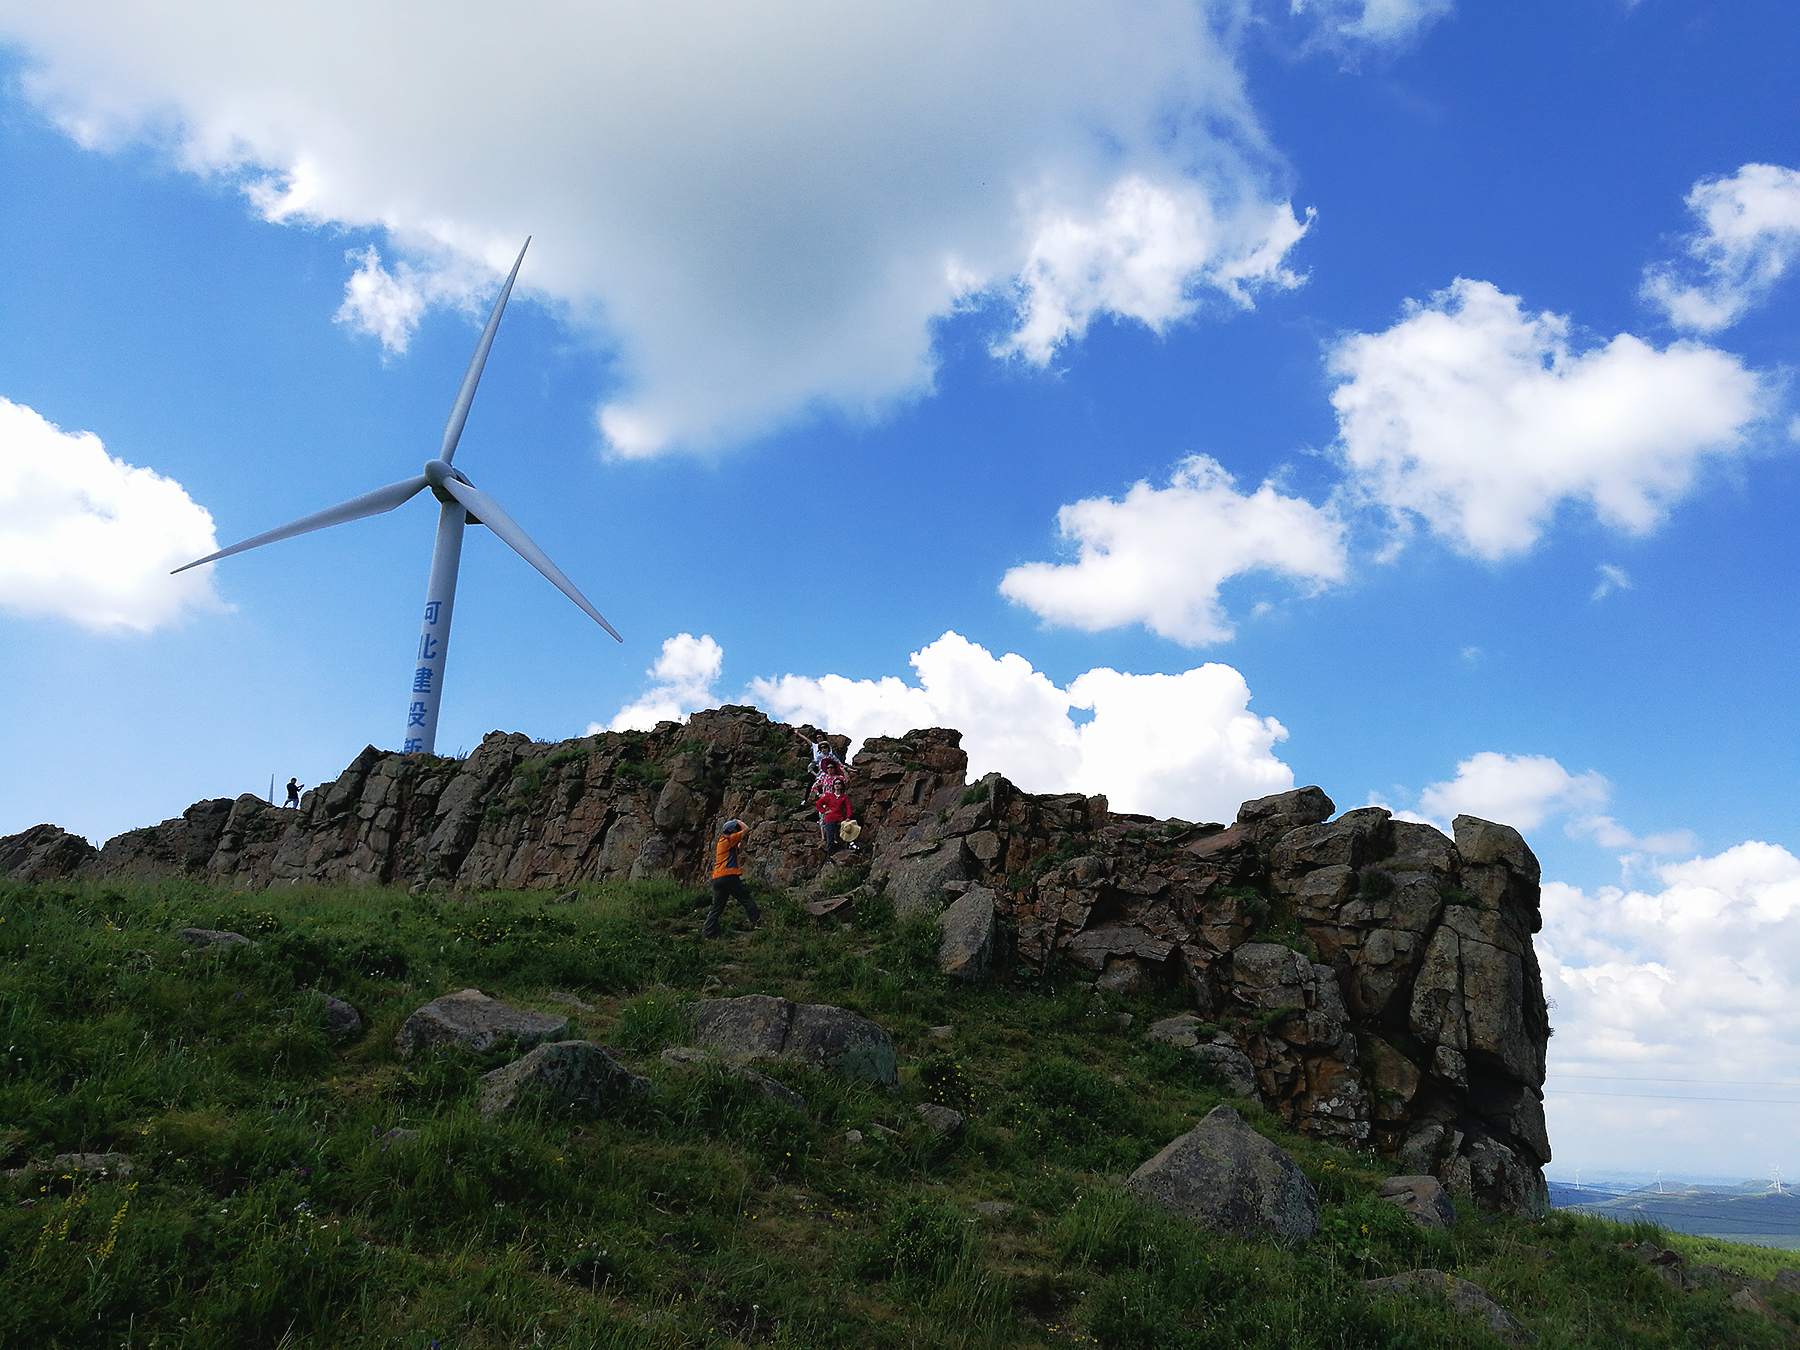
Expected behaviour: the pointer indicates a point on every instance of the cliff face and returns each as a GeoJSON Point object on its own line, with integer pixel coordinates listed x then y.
{"type": "Point", "coordinates": [1375, 977]}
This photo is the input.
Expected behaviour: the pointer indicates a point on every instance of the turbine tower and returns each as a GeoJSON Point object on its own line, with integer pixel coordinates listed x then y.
{"type": "Point", "coordinates": [461, 503]}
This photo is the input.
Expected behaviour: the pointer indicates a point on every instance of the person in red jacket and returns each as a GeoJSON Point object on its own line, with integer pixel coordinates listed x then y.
{"type": "Point", "coordinates": [728, 878]}
{"type": "Point", "coordinates": [834, 810]}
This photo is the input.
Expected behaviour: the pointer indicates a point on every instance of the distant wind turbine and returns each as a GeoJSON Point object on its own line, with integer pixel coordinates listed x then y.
{"type": "Point", "coordinates": [462, 504]}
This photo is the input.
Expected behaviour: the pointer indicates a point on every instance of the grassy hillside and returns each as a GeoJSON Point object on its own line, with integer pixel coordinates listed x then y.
{"type": "Point", "coordinates": [278, 1199]}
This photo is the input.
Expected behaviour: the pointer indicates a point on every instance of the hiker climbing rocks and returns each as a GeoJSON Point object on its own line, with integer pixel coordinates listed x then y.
{"type": "Point", "coordinates": [293, 797]}
{"type": "Point", "coordinates": [834, 810]}
{"type": "Point", "coordinates": [728, 877]}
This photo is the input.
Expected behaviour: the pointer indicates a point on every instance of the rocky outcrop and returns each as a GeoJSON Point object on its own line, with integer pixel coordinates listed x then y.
{"type": "Point", "coordinates": [471, 1020]}
{"type": "Point", "coordinates": [1225, 1176]}
{"type": "Point", "coordinates": [44, 853]}
{"type": "Point", "coordinates": [1368, 980]}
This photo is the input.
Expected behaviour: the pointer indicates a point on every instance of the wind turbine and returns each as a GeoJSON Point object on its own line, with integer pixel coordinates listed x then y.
{"type": "Point", "coordinates": [462, 503]}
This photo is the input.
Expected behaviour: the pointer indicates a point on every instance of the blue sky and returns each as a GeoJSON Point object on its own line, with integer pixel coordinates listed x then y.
{"type": "Point", "coordinates": [1415, 376]}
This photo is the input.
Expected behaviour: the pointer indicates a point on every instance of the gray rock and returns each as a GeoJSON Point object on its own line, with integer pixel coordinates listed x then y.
{"type": "Point", "coordinates": [779, 1093]}
{"type": "Point", "coordinates": [853, 1137]}
{"type": "Point", "coordinates": [84, 1164]}
{"type": "Point", "coordinates": [941, 1119]}
{"type": "Point", "coordinates": [1469, 1299]}
{"type": "Point", "coordinates": [1422, 1199]}
{"type": "Point", "coordinates": [770, 1089]}
{"type": "Point", "coordinates": [560, 1076]}
{"type": "Point", "coordinates": [969, 927]}
{"type": "Point", "coordinates": [472, 1020]}
{"type": "Point", "coordinates": [1183, 1029]}
{"type": "Point", "coordinates": [1268, 818]}
{"type": "Point", "coordinates": [758, 1026]}
{"type": "Point", "coordinates": [1231, 1066]}
{"type": "Point", "coordinates": [566, 898]}
{"type": "Point", "coordinates": [915, 883]}
{"type": "Point", "coordinates": [995, 1209]}
{"type": "Point", "coordinates": [941, 1033]}
{"type": "Point", "coordinates": [571, 1000]}
{"type": "Point", "coordinates": [1225, 1176]}
{"type": "Point", "coordinates": [1482, 842]}
{"type": "Point", "coordinates": [341, 1021]}
{"type": "Point", "coordinates": [208, 938]}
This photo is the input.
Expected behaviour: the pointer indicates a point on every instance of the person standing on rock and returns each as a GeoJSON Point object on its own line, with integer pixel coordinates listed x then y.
{"type": "Point", "coordinates": [728, 878]}
{"type": "Point", "coordinates": [834, 810]}
{"type": "Point", "coordinates": [293, 797]}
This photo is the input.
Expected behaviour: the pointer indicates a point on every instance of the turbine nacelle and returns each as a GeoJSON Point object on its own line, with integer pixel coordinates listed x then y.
{"type": "Point", "coordinates": [437, 471]}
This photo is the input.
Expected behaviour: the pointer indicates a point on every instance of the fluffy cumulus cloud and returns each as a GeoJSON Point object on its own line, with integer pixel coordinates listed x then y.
{"type": "Point", "coordinates": [92, 539]}
{"type": "Point", "coordinates": [684, 677]}
{"type": "Point", "coordinates": [1749, 237]}
{"type": "Point", "coordinates": [762, 208]}
{"type": "Point", "coordinates": [1683, 989]}
{"type": "Point", "coordinates": [1482, 420]}
{"type": "Point", "coordinates": [1525, 791]}
{"type": "Point", "coordinates": [1183, 745]}
{"type": "Point", "coordinates": [1159, 556]}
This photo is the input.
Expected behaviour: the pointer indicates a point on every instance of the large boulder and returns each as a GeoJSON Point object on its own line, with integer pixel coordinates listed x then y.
{"type": "Point", "coordinates": [563, 1076]}
{"type": "Point", "coordinates": [472, 1020]}
{"type": "Point", "coordinates": [758, 1026]}
{"type": "Point", "coordinates": [969, 926]}
{"type": "Point", "coordinates": [1268, 818]}
{"type": "Point", "coordinates": [915, 881]}
{"type": "Point", "coordinates": [1225, 1176]}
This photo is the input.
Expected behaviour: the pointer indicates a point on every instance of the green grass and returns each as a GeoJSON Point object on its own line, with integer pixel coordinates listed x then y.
{"type": "Point", "coordinates": [291, 1192]}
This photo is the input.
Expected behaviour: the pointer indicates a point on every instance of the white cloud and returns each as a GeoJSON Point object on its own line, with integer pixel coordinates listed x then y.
{"type": "Point", "coordinates": [1691, 979]}
{"type": "Point", "coordinates": [685, 674]}
{"type": "Point", "coordinates": [1519, 790]}
{"type": "Point", "coordinates": [388, 305]}
{"type": "Point", "coordinates": [1483, 420]}
{"type": "Point", "coordinates": [1183, 745]}
{"type": "Point", "coordinates": [1144, 257]}
{"type": "Point", "coordinates": [1377, 21]}
{"type": "Point", "coordinates": [1749, 237]}
{"type": "Point", "coordinates": [1611, 579]}
{"type": "Point", "coordinates": [1160, 555]}
{"type": "Point", "coordinates": [90, 538]}
{"type": "Point", "coordinates": [1524, 791]}
{"type": "Point", "coordinates": [764, 207]}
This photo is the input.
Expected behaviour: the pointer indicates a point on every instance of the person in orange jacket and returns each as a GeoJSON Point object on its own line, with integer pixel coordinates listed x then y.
{"type": "Point", "coordinates": [728, 878]}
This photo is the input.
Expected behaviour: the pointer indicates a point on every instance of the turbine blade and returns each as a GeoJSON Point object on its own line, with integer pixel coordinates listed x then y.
{"type": "Point", "coordinates": [369, 504]}
{"type": "Point", "coordinates": [502, 524]}
{"type": "Point", "coordinates": [472, 377]}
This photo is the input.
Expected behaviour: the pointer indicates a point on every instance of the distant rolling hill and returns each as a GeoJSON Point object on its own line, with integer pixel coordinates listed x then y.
{"type": "Point", "coordinates": [1751, 1212]}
